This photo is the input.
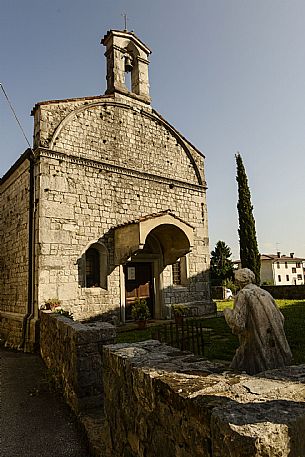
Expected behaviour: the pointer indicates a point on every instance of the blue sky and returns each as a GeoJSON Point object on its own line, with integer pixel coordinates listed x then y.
{"type": "Point", "coordinates": [228, 74]}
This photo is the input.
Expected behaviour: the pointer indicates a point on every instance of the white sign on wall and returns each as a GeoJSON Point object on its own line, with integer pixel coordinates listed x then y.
{"type": "Point", "coordinates": [131, 273]}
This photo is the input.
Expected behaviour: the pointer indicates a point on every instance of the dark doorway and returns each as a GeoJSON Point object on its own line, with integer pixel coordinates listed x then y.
{"type": "Point", "coordinates": [138, 284]}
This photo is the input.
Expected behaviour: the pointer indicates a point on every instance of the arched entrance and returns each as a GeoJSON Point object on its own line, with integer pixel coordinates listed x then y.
{"type": "Point", "coordinates": [143, 248]}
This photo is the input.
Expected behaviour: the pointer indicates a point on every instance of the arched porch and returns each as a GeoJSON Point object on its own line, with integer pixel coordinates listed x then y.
{"type": "Point", "coordinates": [143, 249]}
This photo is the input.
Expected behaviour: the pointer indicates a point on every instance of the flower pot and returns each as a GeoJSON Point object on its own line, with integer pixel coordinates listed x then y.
{"type": "Point", "coordinates": [142, 324]}
{"type": "Point", "coordinates": [179, 320]}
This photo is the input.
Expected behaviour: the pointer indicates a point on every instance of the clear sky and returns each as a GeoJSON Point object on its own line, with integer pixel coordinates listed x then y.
{"type": "Point", "coordinates": [228, 74]}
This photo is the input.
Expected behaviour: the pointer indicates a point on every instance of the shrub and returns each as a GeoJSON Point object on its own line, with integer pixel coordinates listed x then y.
{"type": "Point", "coordinates": [140, 310]}
{"type": "Point", "coordinates": [179, 310]}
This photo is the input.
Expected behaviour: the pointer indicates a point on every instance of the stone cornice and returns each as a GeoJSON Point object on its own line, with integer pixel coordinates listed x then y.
{"type": "Point", "coordinates": [41, 152]}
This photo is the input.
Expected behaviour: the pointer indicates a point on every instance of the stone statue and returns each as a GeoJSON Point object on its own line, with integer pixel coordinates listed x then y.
{"type": "Point", "coordinates": [259, 324]}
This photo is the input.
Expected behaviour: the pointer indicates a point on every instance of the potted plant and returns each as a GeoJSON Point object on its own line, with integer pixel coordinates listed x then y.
{"type": "Point", "coordinates": [140, 312]}
{"type": "Point", "coordinates": [53, 304]}
{"type": "Point", "coordinates": [179, 312]}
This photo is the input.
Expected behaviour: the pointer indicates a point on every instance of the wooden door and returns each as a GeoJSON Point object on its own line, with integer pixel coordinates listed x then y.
{"type": "Point", "coordinates": [138, 284]}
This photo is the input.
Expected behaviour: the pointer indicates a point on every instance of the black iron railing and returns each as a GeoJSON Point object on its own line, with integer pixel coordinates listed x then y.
{"type": "Point", "coordinates": [189, 335]}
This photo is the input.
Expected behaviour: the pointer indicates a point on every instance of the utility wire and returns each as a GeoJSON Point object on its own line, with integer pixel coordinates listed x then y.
{"type": "Point", "coordinates": [15, 115]}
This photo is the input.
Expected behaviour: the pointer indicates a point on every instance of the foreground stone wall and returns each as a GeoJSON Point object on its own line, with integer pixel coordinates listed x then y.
{"type": "Point", "coordinates": [161, 402]}
{"type": "Point", "coordinates": [72, 352]}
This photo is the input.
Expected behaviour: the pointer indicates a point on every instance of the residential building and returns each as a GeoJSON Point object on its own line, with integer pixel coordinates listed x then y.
{"type": "Point", "coordinates": [280, 270]}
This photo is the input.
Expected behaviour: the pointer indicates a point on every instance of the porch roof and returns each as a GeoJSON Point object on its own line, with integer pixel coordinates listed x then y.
{"type": "Point", "coordinates": [175, 236]}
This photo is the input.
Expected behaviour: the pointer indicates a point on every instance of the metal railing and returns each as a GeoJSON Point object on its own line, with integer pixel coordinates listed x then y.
{"type": "Point", "coordinates": [189, 335]}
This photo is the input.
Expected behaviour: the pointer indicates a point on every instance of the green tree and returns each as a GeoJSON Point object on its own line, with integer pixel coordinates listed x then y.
{"type": "Point", "coordinates": [249, 255]}
{"type": "Point", "coordinates": [221, 268]}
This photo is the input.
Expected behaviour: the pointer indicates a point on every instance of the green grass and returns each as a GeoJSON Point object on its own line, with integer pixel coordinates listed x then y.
{"type": "Point", "coordinates": [132, 336]}
{"type": "Point", "coordinates": [294, 313]}
{"type": "Point", "coordinates": [222, 344]}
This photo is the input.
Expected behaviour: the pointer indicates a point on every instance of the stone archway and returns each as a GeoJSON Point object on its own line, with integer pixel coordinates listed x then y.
{"type": "Point", "coordinates": [143, 248]}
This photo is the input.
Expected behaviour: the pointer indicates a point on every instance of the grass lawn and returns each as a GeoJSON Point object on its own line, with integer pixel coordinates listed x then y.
{"type": "Point", "coordinates": [221, 345]}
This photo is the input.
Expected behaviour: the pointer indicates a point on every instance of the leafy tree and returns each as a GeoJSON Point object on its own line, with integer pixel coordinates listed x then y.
{"type": "Point", "coordinates": [221, 268]}
{"type": "Point", "coordinates": [249, 255]}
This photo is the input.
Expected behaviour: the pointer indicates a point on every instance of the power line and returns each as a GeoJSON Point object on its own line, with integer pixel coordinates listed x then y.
{"type": "Point", "coordinates": [15, 115]}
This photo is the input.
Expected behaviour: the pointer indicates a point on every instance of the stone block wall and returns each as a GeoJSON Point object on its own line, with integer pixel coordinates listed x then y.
{"type": "Point", "coordinates": [117, 131]}
{"type": "Point", "coordinates": [72, 352]}
{"type": "Point", "coordinates": [14, 231]}
{"type": "Point", "coordinates": [81, 205]}
{"type": "Point", "coordinates": [14, 210]}
{"type": "Point", "coordinates": [11, 329]}
{"type": "Point", "coordinates": [162, 402]}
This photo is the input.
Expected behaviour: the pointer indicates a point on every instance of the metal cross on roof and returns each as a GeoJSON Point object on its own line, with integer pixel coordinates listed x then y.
{"type": "Point", "coordinates": [125, 20]}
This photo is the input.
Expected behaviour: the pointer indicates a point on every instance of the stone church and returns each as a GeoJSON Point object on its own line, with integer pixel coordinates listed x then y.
{"type": "Point", "coordinates": [109, 205]}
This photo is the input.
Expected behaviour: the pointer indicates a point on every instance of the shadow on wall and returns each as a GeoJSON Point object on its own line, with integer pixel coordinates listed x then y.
{"type": "Point", "coordinates": [112, 316]}
{"type": "Point", "coordinates": [195, 293]}
{"type": "Point", "coordinates": [257, 425]}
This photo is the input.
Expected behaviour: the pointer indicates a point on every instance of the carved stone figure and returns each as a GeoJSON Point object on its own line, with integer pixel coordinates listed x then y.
{"type": "Point", "coordinates": [259, 324]}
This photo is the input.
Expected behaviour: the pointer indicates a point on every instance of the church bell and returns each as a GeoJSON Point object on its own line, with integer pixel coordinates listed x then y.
{"type": "Point", "coordinates": [128, 63]}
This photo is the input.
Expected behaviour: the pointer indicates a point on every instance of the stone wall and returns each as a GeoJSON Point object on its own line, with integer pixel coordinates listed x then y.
{"type": "Point", "coordinates": [288, 292]}
{"type": "Point", "coordinates": [154, 400]}
{"type": "Point", "coordinates": [14, 231]}
{"type": "Point", "coordinates": [11, 329]}
{"type": "Point", "coordinates": [161, 402]}
{"type": "Point", "coordinates": [72, 352]}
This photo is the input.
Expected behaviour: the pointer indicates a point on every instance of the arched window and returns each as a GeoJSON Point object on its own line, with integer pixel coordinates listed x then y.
{"type": "Point", "coordinates": [92, 268]}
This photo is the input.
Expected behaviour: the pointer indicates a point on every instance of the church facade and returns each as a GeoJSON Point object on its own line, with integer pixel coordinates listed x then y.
{"type": "Point", "coordinates": [108, 206]}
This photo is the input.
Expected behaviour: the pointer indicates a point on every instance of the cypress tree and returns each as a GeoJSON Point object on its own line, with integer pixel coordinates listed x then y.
{"type": "Point", "coordinates": [249, 255]}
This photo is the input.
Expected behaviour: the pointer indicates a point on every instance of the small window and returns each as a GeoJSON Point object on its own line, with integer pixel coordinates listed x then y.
{"type": "Point", "coordinates": [278, 264]}
{"type": "Point", "coordinates": [286, 265]}
{"type": "Point", "coordinates": [179, 272]}
{"type": "Point", "coordinates": [300, 278]}
{"type": "Point", "coordinates": [287, 277]}
{"type": "Point", "coordinates": [279, 278]}
{"type": "Point", "coordinates": [92, 268]}
{"type": "Point", "coordinates": [298, 265]}
{"type": "Point", "coordinates": [294, 270]}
